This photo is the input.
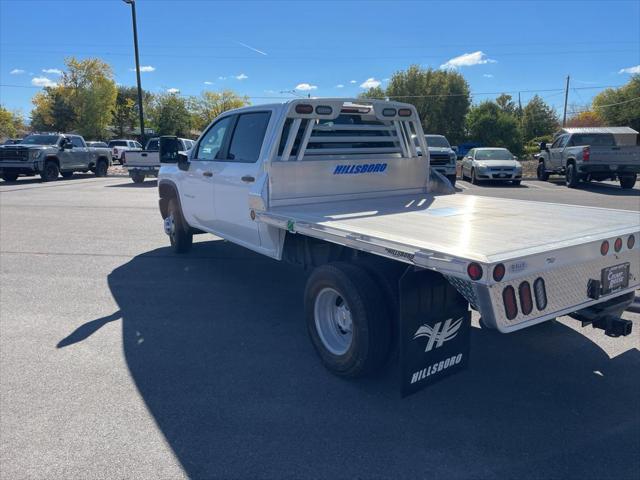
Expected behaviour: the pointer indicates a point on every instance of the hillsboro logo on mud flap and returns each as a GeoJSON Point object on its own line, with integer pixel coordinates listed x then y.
{"type": "Point", "coordinates": [364, 168]}
{"type": "Point", "coordinates": [436, 367]}
{"type": "Point", "coordinates": [436, 335]}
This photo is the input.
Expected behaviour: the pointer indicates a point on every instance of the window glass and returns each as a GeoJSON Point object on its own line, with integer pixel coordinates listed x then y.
{"type": "Point", "coordinates": [154, 144]}
{"type": "Point", "coordinates": [36, 139]}
{"type": "Point", "coordinates": [595, 139]}
{"type": "Point", "coordinates": [494, 154]}
{"type": "Point", "coordinates": [437, 141]}
{"type": "Point", "coordinates": [117, 143]}
{"type": "Point", "coordinates": [137, 145]}
{"type": "Point", "coordinates": [248, 136]}
{"type": "Point", "coordinates": [77, 142]}
{"type": "Point", "coordinates": [211, 143]}
{"type": "Point", "coordinates": [556, 143]}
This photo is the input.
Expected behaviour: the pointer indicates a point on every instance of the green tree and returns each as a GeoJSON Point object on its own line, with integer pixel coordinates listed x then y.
{"type": "Point", "coordinates": [538, 119]}
{"type": "Point", "coordinates": [125, 111]}
{"type": "Point", "coordinates": [169, 115]}
{"type": "Point", "coordinates": [506, 104]}
{"type": "Point", "coordinates": [441, 98]}
{"type": "Point", "coordinates": [11, 124]}
{"type": "Point", "coordinates": [375, 92]}
{"type": "Point", "coordinates": [489, 124]}
{"type": "Point", "coordinates": [620, 106]}
{"type": "Point", "coordinates": [53, 110]}
{"type": "Point", "coordinates": [209, 105]}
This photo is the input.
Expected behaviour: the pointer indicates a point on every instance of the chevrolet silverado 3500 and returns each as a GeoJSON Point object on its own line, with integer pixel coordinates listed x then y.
{"type": "Point", "coordinates": [396, 257]}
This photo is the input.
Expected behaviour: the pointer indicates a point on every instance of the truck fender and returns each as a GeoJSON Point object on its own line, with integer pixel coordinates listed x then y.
{"type": "Point", "coordinates": [167, 190]}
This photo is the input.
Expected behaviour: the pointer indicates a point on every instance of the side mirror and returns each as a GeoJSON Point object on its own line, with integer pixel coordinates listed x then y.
{"type": "Point", "coordinates": [543, 146]}
{"type": "Point", "coordinates": [66, 144]}
{"type": "Point", "coordinates": [454, 148]}
{"type": "Point", "coordinates": [169, 147]}
{"type": "Point", "coordinates": [183, 161]}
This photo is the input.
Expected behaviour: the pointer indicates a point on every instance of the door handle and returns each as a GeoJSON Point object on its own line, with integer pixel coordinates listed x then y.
{"type": "Point", "coordinates": [207, 174]}
{"type": "Point", "coordinates": [248, 179]}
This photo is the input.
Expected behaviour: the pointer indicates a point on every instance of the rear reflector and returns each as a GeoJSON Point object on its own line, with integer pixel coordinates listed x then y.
{"type": "Point", "coordinates": [526, 302]}
{"type": "Point", "coordinates": [498, 272]}
{"type": "Point", "coordinates": [509, 300]}
{"type": "Point", "coordinates": [604, 248]}
{"type": "Point", "coordinates": [304, 108]}
{"type": "Point", "coordinates": [324, 110]}
{"type": "Point", "coordinates": [540, 293]}
{"type": "Point", "coordinates": [631, 241]}
{"type": "Point", "coordinates": [474, 271]}
{"type": "Point", "coordinates": [389, 112]}
{"type": "Point", "coordinates": [404, 112]}
{"type": "Point", "coordinates": [617, 245]}
{"type": "Point", "coordinates": [586, 154]}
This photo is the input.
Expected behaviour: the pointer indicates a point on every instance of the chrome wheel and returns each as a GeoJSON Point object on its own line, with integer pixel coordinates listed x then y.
{"type": "Point", "coordinates": [333, 321]}
{"type": "Point", "coordinates": [170, 227]}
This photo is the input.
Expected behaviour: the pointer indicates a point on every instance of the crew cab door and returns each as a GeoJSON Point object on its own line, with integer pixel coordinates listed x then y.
{"type": "Point", "coordinates": [78, 156]}
{"type": "Point", "coordinates": [198, 204]}
{"type": "Point", "coordinates": [235, 174]}
{"type": "Point", "coordinates": [555, 152]}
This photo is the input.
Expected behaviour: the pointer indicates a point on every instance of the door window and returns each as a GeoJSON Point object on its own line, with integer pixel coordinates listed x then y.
{"type": "Point", "coordinates": [77, 142]}
{"type": "Point", "coordinates": [558, 141]}
{"type": "Point", "coordinates": [211, 143]}
{"type": "Point", "coordinates": [248, 137]}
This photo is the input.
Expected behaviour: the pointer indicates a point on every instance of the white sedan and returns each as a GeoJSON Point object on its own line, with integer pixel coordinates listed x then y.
{"type": "Point", "coordinates": [491, 164]}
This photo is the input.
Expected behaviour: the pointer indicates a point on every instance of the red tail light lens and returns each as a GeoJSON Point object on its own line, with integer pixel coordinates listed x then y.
{"type": "Point", "coordinates": [304, 109]}
{"type": "Point", "coordinates": [617, 245]}
{"type": "Point", "coordinates": [509, 300]}
{"type": "Point", "coordinates": [604, 248]}
{"type": "Point", "coordinates": [404, 112]}
{"type": "Point", "coordinates": [474, 271]}
{"type": "Point", "coordinates": [498, 272]}
{"type": "Point", "coordinates": [586, 154]}
{"type": "Point", "coordinates": [631, 241]}
{"type": "Point", "coordinates": [526, 302]}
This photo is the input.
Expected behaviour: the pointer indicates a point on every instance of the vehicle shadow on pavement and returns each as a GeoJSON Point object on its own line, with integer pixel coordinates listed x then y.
{"type": "Point", "coordinates": [30, 180]}
{"type": "Point", "coordinates": [217, 346]}
{"type": "Point", "coordinates": [598, 187]}
{"type": "Point", "coordinates": [146, 184]}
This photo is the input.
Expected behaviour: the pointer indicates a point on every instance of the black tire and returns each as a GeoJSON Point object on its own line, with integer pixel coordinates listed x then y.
{"type": "Point", "coordinates": [10, 177]}
{"type": "Point", "coordinates": [474, 180]}
{"type": "Point", "coordinates": [102, 168]}
{"type": "Point", "coordinates": [50, 171]}
{"type": "Point", "coordinates": [452, 179]}
{"type": "Point", "coordinates": [371, 322]}
{"type": "Point", "coordinates": [181, 237]}
{"type": "Point", "coordinates": [137, 177]}
{"type": "Point", "coordinates": [628, 181]}
{"type": "Point", "coordinates": [66, 174]}
{"type": "Point", "coordinates": [542, 173]}
{"type": "Point", "coordinates": [572, 179]}
{"type": "Point", "coordinates": [517, 182]}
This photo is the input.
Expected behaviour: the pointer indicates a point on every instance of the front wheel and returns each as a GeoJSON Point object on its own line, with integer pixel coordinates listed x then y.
{"type": "Point", "coordinates": [572, 179]}
{"type": "Point", "coordinates": [542, 173]}
{"type": "Point", "coordinates": [347, 318]}
{"type": "Point", "coordinates": [50, 171]}
{"type": "Point", "coordinates": [101, 168]}
{"type": "Point", "coordinates": [10, 177]}
{"type": "Point", "coordinates": [474, 179]}
{"type": "Point", "coordinates": [452, 179]}
{"type": "Point", "coordinates": [628, 181]}
{"type": "Point", "coordinates": [176, 227]}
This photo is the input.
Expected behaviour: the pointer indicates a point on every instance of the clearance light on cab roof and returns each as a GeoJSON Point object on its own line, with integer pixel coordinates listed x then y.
{"type": "Point", "coordinates": [617, 246]}
{"type": "Point", "coordinates": [389, 112]}
{"type": "Point", "coordinates": [474, 271]}
{"type": "Point", "coordinates": [498, 272]}
{"type": "Point", "coordinates": [324, 110]}
{"type": "Point", "coordinates": [604, 248]}
{"type": "Point", "coordinates": [631, 241]}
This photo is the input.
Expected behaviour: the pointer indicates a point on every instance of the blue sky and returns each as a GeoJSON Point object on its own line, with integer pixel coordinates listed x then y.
{"type": "Point", "coordinates": [326, 48]}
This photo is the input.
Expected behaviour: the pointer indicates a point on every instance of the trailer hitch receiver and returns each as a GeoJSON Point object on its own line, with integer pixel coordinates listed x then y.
{"type": "Point", "coordinates": [613, 326]}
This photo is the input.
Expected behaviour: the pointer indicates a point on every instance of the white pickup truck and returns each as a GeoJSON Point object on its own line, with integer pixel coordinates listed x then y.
{"type": "Point", "coordinates": [396, 257]}
{"type": "Point", "coordinates": [142, 164]}
{"type": "Point", "coordinates": [119, 149]}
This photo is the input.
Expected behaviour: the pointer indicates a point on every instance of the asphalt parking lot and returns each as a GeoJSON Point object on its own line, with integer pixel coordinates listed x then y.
{"type": "Point", "coordinates": [119, 359]}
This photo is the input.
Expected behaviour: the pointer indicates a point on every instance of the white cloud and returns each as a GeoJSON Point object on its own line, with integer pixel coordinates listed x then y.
{"type": "Point", "coordinates": [339, 86]}
{"type": "Point", "coordinates": [630, 70]}
{"type": "Point", "coordinates": [487, 75]}
{"type": "Point", "coordinates": [53, 71]}
{"type": "Point", "coordinates": [144, 68]}
{"type": "Point", "coordinates": [207, 82]}
{"type": "Point", "coordinates": [370, 83]}
{"type": "Point", "coordinates": [42, 82]}
{"type": "Point", "coordinates": [352, 81]}
{"type": "Point", "coordinates": [16, 71]}
{"type": "Point", "coordinates": [468, 60]}
{"type": "Point", "coordinates": [173, 90]}
{"type": "Point", "coordinates": [306, 87]}
{"type": "Point", "coordinates": [242, 76]}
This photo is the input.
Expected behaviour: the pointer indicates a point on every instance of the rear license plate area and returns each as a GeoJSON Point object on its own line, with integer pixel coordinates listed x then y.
{"type": "Point", "coordinates": [615, 278]}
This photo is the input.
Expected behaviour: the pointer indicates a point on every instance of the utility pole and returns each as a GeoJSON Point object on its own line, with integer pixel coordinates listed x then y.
{"type": "Point", "coordinates": [566, 97]}
{"type": "Point", "coordinates": [520, 110]}
{"type": "Point", "coordinates": [135, 47]}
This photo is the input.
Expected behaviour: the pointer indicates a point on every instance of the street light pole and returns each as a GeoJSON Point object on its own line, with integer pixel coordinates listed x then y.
{"type": "Point", "coordinates": [135, 46]}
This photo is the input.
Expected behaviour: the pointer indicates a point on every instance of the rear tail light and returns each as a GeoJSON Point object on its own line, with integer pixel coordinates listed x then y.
{"type": "Point", "coordinates": [498, 272]}
{"type": "Point", "coordinates": [324, 110]}
{"type": "Point", "coordinates": [404, 112]}
{"type": "Point", "coordinates": [526, 302]}
{"type": "Point", "coordinates": [540, 293]}
{"type": "Point", "coordinates": [304, 109]}
{"type": "Point", "coordinates": [631, 241]}
{"type": "Point", "coordinates": [389, 112]}
{"type": "Point", "coordinates": [509, 300]}
{"type": "Point", "coordinates": [617, 245]}
{"type": "Point", "coordinates": [474, 271]}
{"type": "Point", "coordinates": [586, 154]}
{"type": "Point", "coordinates": [604, 248]}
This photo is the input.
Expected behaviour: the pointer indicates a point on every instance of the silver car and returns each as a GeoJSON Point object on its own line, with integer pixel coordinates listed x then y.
{"type": "Point", "coordinates": [491, 164]}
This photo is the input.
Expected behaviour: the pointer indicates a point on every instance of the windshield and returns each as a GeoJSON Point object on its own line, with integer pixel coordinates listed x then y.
{"type": "Point", "coordinates": [437, 141]}
{"type": "Point", "coordinates": [594, 139]}
{"type": "Point", "coordinates": [117, 143]}
{"type": "Point", "coordinates": [40, 140]}
{"type": "Point", "coordinates": [494, 154]}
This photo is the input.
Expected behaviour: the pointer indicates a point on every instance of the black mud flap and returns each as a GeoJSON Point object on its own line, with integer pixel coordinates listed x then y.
{"type": "Point", "coordinates": [435, 323]}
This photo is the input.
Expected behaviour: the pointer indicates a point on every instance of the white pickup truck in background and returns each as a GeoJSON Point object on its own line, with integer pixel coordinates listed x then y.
{"type": "Point", "coordinates": [396, 257]}
{"type": "Point", "coordinates": [120, 147]}
{"type": "Point", "coordinates": [146, 163]}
